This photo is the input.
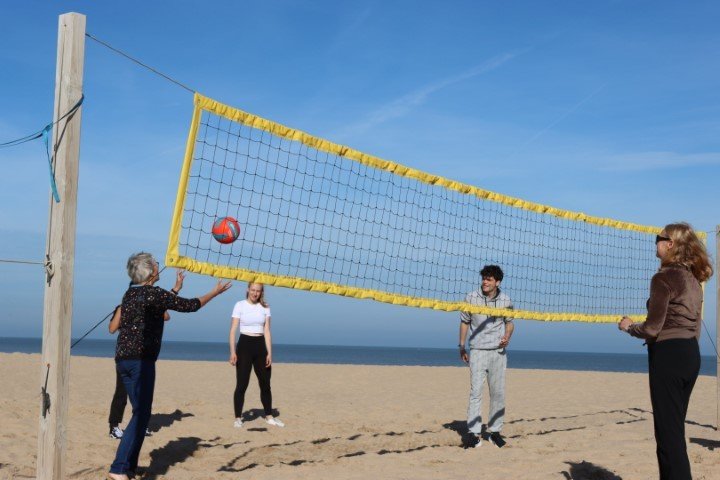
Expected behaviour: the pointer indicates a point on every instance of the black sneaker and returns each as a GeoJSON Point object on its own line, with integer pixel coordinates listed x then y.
{"type": "Point", "coordinates": [472, 441]}
{"type": "Point", "coordinates": [497, 439]}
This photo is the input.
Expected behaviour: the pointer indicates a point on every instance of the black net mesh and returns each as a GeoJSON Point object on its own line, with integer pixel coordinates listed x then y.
{"type": "Point", "coordinates": [310, 214]}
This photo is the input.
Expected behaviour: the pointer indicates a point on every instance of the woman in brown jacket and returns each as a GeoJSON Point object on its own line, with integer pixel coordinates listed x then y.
{"type": "Point", "coordinates": [671, 330]}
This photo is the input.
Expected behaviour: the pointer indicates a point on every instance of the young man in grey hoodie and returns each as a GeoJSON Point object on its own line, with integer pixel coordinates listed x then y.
{"type": "Point", "coordinates": [488, 337]}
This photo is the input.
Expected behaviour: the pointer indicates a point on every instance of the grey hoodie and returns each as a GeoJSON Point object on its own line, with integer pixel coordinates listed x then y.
{"type": "Point", "coordinates": [485, 331]}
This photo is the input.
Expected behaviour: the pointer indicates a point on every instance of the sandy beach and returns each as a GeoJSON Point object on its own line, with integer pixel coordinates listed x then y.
{"type": "Point", "coordinates": [355, 422]}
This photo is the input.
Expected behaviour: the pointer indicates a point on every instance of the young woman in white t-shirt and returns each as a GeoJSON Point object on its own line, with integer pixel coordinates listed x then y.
{"type": "Point", "coordinates": [254, 350]}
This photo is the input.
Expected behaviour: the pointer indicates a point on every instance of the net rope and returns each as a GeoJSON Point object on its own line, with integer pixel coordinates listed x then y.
{"type": "Point", "coordinates": [314, 217]}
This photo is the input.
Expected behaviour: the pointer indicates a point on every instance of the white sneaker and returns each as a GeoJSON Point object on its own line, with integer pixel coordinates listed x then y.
{"type": "Point", "coordinates": [274, 421]}
{"type": "Point", "coordinates": [116, 432]}
{"type": "Point", "coordinates": [238, 423]}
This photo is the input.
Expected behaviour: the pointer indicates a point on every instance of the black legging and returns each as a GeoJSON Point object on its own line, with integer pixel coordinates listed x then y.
{"type": "Point", "coordinates": [252, 353]}
{"type": "Point", "coordinates": [673, 367]}
{"type": "Point", "coordinates": [117, 407]}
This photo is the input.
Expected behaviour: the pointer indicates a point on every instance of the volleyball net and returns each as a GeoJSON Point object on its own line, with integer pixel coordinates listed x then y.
{"type": "Point", "coordinates": [319, 216]}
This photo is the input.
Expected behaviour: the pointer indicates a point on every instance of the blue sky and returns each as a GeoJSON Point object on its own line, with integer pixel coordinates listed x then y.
{"type": "Point", "coordinates": [609, 108]}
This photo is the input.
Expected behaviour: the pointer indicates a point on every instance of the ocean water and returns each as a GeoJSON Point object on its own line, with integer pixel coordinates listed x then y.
{"type": "Point", "coordinates": [435, 357]}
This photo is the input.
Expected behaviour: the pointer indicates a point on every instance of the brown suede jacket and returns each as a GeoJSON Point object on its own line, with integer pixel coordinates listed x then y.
{"type": "Point", "coordinates": [674, 307]}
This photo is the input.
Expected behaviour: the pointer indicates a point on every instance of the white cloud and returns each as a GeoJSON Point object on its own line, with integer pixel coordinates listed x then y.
{"type": "Point", "coordinates": [403, 105]}
{"type": "Point", "coordinates": [559, 119]}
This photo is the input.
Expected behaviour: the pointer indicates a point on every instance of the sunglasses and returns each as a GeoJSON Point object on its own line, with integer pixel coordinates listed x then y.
{"type": "Point", "coordinates": [659, 239]}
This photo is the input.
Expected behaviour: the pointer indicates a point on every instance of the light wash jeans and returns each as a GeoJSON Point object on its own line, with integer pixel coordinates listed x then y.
{"type": "Point", "coordinates": [488, 364]}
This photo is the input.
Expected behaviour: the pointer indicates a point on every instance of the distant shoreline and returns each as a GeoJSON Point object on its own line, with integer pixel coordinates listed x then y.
{"type": "Point", "coordinates": [360, 355]}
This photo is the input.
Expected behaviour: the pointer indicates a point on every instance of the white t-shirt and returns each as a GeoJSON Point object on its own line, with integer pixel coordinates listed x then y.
{"type": "Point", "coordinates": [252, 317]}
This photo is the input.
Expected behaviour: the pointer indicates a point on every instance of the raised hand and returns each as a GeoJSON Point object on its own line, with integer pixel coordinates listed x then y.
{"type": "Point", "coordinates": [222, 287]}
{"type": "Point", "coordinates": [179, 279]}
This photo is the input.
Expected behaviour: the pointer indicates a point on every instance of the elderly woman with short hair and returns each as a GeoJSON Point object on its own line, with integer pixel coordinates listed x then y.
{"type": "Point", "coordinates": [138, 347]}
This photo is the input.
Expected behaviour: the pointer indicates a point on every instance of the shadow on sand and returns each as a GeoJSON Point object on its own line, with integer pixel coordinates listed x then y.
{"type": "Point", "coordinates": [176, 451]}
{"type": "Point", "coordinates": [163, 420]}
{"type": "Point", "coordinates": [704, 442]}
{"type": "Point", "coordinates": [588, 471]}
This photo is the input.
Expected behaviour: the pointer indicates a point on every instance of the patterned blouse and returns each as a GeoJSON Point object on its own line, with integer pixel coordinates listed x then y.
{"type": "Point", "coordinates": [141, 325]}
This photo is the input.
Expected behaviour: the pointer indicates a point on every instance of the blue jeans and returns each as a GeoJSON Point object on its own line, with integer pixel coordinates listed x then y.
{"type": "Point", "coordinates": [139, 379]}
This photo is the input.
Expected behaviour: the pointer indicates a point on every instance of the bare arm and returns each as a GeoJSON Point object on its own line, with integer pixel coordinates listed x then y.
{"type": "Point", "coordinates": [461, 343]}
{"type": "Point", "coordinates": [115, 321]}
{"type": "Point", "coordinates": [268, 342]}
{"type": "Point", "coordinates": [509, 329]}
{"type": "Point", "coordinates": [179, 279]}
{"type": "Point", "coordinates": [463, 333]}
{"type": "Point", "coordinates": [220, 287]}
{"type": "Point", "coordinates": [233, 328]}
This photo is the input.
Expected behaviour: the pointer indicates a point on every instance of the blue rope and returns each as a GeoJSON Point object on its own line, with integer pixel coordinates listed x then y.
{"type": "Point", "coordinates": [45, 135]}
{"type": "Point", "coordinates": [53, 185]}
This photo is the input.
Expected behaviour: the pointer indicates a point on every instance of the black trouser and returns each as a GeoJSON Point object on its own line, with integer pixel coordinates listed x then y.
{"type": "Point", "coordinates": [117, 407]}
{"type": "Point", "coordinates": [673, 366]}
{"type": "Point", "coordinates": [252, 354]}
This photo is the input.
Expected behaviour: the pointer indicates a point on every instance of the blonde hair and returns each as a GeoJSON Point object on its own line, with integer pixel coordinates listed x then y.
{"type": "Point", "coordinates": [261, 300]}
{"type": "Point", "coordinates": [688, 250]}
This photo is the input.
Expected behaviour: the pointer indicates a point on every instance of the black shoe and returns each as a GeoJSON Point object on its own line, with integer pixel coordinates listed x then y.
{"type": "Point", "coordinates": [497, 439]}
{"type": "Point", "coordinates": [472, 441]}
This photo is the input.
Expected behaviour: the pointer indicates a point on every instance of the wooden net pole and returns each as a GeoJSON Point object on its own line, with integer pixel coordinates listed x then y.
{"type": "Point", "coordinates": [57, 316]}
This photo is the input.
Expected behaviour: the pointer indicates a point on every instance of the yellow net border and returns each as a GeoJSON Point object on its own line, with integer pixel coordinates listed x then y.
{"type": "Point", "coordinates": [174, 259]}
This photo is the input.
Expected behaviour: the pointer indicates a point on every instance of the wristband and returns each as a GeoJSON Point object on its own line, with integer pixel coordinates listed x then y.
{"type": "Point", "coordinates": [174, 291]}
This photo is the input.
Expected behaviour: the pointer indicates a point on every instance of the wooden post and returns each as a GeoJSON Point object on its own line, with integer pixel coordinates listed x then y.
{"type": "Point", "coordinates": [57, 317]}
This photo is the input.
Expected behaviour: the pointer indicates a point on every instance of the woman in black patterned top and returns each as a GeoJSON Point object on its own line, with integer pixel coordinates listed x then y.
{"type": "Point", "coordinates": [138, 347]}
